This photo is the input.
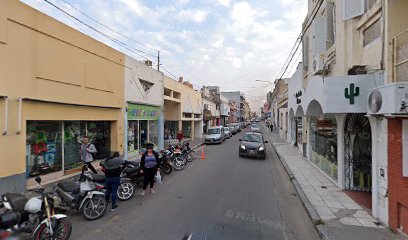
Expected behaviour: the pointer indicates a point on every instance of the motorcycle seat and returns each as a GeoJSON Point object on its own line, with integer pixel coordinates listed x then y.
{"type": "Point", "coordinates": [131, 170]}
{"type": "Point", "coordinates": [68, 186]}
{"type": "Point", "coordinates": [99, 178]}
{"type": "Point", "coordinates": [134, 163]}
{"type": "Point", "coordinates": [17, 201]}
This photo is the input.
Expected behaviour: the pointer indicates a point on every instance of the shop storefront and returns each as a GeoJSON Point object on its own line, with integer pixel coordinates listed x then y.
{"type": "Point", "coordinates": [53, 146]}
{"type": "Point", "coordinates": [187, 129]}
{"type": "Point", "coordinates": [323, 144]}
{"type": "Point", "coordinates": [143, 127]}
{"type": "Point", "coordinates": [170, 129]}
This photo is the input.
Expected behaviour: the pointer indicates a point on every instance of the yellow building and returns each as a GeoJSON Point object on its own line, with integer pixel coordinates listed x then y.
{"type": "Point", "coordinates": [57, 85]}
{"type": "Point", "coordinates": [182, 109]}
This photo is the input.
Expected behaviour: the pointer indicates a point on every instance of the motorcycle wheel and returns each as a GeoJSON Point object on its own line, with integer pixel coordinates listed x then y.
{"type": "Point", "coordinates": [192, 155]}
{"type": "Point", "coordinates": [167, 169]}
{"type": "Point", "coordinates": [178, 164]}
{"type": "Point", "coordinates": [62, 230]}
{"type": "Point", "coordinates": [99, 209]}
{"type": "Point", "coordinates": [126, 190]}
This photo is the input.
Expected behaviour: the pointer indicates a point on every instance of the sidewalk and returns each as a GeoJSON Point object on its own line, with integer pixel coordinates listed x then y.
{"type": "Point", "coordinates": [334, 213]}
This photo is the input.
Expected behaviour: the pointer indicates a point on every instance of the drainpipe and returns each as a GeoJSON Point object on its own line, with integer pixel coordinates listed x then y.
{"type": "Point", "coordinates": [5, 115]}
{"type": "Point", "coordinates": [20, 112]}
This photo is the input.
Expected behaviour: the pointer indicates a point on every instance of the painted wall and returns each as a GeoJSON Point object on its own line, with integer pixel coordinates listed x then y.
{"type": "Point", "coordinates": [43, 59]}
{"type": "Point", "coordinates": [398, 184]}
{"type": "Point", "coordinates": [134, 91]}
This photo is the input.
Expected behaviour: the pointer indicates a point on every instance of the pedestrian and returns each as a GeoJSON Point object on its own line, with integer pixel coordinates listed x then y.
{"type": "Point", "coordinates": [112, 167]}
{"type": "Point", "coordinates": [88, 152]}
{"type": "Point", "coordinates": [150, 166]}
{"type": "Point", "coordinates": [180, 137]}
{"type": "Point", "coordinates": [271, 127]}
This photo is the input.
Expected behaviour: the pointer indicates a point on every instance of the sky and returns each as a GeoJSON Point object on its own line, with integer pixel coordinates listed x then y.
{"type": "Point", "coordinates": [228, 43]}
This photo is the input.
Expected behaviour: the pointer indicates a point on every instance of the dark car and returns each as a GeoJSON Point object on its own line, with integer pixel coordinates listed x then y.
{"type": "Point", "coordinates": [252, 144]}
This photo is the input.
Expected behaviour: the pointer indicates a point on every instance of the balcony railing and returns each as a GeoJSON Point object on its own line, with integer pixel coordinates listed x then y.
{"type": "Point", "coordinates": [400, 59]}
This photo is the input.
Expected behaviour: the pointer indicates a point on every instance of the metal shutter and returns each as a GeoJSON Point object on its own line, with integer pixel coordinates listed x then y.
{"type": "Point", "coordinates": [319, 35]}
{"type": "Point", "coordinates": [353, 8]}
{"type": "Point", "coordinates": [330, 23]}
{"type": "Point", "coordinates": [305, 49]}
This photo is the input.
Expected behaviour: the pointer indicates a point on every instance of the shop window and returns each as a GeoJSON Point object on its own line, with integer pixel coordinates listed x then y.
{"type": "Point", "coordinates": [143, 133]}
{"type": "Point", "coordinates": [99, 135]}
{"type": "Point", "coordinates": [197, 115]}
{"type": "Point", "coordinates": [372, 33]}
{"type": "Point", "coordinates": [43, 147]}
{"type": "Point", "coordinates": [153, 132]}
{"type": "Point", "coordinates": [73, 133]}
{"type": "Point", "coordinates": [133, 136]}
{"type": "Point", "coordinates": [170, 129]}
{"type": "Point", "coordinates": [323, 143]}
{"type": "Point", "coordinates": [187, 115]}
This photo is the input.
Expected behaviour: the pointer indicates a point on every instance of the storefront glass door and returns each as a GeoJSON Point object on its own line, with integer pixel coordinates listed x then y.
{"type": "Point", "coordinates": [143, 133]}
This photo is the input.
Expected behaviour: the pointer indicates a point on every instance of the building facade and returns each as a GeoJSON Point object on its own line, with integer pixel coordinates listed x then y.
{"type": "Point", "coordinates": [57, 85]}
{"type": "Point", "coordinates": [351, 53]}
{"type": "Point", "coordinates": [210, 111]}
{"type": "Point", "coordinates": [235, 98]}
{"type": "Point", "coordinates": [182, 109]}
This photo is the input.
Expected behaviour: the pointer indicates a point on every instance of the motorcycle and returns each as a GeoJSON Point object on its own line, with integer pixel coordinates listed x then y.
{"type": "Point", "coordinates": [34, 218]}
{"type": "Point", "coordinates": [175, 158]}
{"type": "Point", "coordinates": [83, 196]}
{"type": "Point", "coordinates": [8, 220]}
{"type": "Point", "coordinates": [188, 153]}
{"type": "Point", "coordinates": [165, 165]}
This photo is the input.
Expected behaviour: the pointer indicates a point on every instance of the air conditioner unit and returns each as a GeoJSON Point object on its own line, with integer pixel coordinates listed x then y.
{"type": "Point", "coordinates": [389, 99]}
{"type": "Point", "coordinates": [318, 64]}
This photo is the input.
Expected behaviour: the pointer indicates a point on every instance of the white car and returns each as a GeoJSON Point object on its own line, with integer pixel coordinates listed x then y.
{"type": "Point", "coordinates": [215, 135]}
{"type": "Point", "coordinates": [255, 127]}
{"type": "Point", "coordinates": [227, 132]}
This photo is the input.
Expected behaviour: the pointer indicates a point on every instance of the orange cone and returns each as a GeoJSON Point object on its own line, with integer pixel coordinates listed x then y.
{"type": "Point", "coordinates": [202, 154]}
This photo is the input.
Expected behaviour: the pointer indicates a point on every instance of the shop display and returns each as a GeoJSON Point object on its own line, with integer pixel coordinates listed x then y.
{"type": "Point", "coordinates": [323, 143]}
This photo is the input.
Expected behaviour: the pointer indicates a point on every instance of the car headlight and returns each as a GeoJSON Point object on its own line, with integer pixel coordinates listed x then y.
{"type": "Point", "coordinates": [242, 147]}
{"type": "Point", "coordinates": [261, 148]}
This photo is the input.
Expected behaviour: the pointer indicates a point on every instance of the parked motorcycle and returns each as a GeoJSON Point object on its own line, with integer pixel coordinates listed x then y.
{"type": "Point", "coordinates": [34, 218]}
{"type": "Point", "coordinates": [165, 166]}
{"type": "Point", "coordinates": [175, 158]}
{"type": "Point", "coordinates": [84, 196]}
{"type": "Point", "coordinates": [8, 220]}
{"type": "Point", "coordinates": [188, 153]}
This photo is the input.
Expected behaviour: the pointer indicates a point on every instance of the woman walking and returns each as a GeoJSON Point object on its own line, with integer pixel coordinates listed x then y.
{"type": "Point", "coordinates": [150, 165]}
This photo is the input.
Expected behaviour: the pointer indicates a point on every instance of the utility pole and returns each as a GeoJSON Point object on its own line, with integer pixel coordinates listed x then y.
{"type": "Point", "coordinates": [158, 60]}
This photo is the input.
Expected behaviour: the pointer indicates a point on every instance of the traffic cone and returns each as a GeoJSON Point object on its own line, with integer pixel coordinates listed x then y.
{"type": "Point", "coordinates": [202, 154]}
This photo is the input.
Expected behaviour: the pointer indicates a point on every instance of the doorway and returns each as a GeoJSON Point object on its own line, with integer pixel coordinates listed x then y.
{"type": "Point", "coordinates": [357, 152]}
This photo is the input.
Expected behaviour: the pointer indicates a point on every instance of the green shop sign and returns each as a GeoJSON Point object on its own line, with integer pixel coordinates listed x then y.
{"type": "Point", "coordinates": [142, 112]}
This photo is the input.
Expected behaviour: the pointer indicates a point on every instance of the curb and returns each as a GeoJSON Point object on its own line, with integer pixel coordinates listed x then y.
{"type": "Point", "coordinates": [311, 211]}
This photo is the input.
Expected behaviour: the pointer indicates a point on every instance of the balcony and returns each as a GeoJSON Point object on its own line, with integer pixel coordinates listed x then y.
{"type": "Point", "coordinates": [400, 60]}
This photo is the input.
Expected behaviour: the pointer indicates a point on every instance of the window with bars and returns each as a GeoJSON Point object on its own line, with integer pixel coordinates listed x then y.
{"type": "Point", "coordinates": [372, 32]}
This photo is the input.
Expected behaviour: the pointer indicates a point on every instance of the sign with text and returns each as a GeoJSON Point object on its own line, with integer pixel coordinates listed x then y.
{"type": "Point", "coordinates": [142, 112]}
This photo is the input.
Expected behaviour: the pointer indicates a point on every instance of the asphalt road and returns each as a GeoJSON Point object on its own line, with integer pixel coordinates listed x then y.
{"type": "Point", "coordinates": [222, 197]}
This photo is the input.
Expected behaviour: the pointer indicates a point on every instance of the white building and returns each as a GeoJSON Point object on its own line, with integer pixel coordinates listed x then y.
{"type": "Point", "coordinates": [144, 107]}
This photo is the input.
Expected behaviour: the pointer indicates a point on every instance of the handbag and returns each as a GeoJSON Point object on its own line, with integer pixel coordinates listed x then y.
{"type": "Point", "coordinates": [158, 178]}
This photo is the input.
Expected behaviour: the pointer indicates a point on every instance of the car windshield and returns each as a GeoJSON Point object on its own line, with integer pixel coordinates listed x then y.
{"type": "Point", "coordinates": [213, 131]}
{"type": "Point", "coordinates": [255, 125]}
{"type": "Point", "coordinates": [252, 138]}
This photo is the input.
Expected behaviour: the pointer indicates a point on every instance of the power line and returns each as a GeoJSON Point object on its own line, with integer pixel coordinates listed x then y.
{"type": "Point", "coordinates": [122, 44]}
{"type": "Point", "coordinates": [111, 29]}
{"type": "Point", "coordinates": [299, 39]}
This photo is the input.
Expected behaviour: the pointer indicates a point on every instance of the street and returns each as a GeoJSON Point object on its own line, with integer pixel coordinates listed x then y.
{"type": "Point", "coordinates": [222, 197]}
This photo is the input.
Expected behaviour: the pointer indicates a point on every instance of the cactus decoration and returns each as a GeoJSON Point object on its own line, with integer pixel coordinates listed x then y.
{"type": "Point", "coordinates": [354, 92]}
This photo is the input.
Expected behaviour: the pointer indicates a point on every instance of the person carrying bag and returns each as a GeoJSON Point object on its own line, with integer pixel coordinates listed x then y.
{"type": "Point", "coordinates": [150, 166]}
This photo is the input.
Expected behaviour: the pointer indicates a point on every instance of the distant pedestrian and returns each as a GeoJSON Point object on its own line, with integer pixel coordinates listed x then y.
{"type": "Point", "coordinates": [87, 152]}
{"type": "Point", "coordinates": [150, 166]}
{"type": "Point", "coordinates": [271, 127]}
{"type": "Point", "coordinates": [180, 137]}
{"type": "Point", "coordinates": [112, 167]}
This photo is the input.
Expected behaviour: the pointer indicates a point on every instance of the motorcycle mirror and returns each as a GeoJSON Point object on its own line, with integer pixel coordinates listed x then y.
{"type": "Point", "coordinates": [38, 180]}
